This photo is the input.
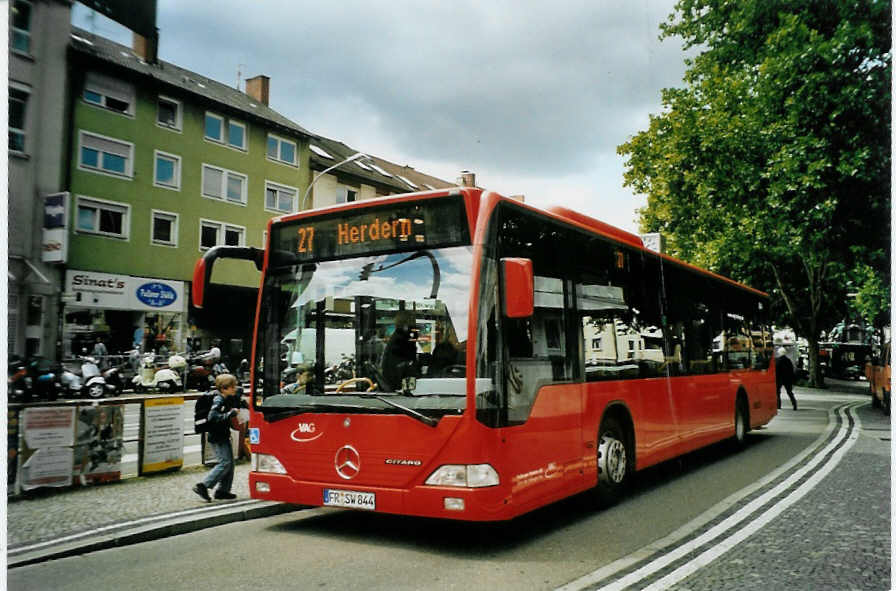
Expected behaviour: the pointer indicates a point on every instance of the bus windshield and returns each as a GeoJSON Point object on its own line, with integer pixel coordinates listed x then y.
{"type": "Point", "coordinates": [367, 334]}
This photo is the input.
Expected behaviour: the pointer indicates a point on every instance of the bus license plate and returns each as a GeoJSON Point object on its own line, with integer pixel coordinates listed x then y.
{"type": "Point", "coordinates": [350, 499]}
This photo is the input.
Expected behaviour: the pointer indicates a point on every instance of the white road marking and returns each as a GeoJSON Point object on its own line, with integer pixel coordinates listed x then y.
{"type": "Point", "coordinates": [732, 521]}
{"type": "Point", "coordinates": [752, 527]}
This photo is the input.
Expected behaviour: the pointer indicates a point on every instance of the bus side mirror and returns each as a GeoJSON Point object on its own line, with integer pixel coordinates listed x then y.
{"type": "Point", "coordinates": [202, 271]}
{"type": "Point", "coordinates": [519, 287]}
{"type": "Point", "coordinates": [198, 287]}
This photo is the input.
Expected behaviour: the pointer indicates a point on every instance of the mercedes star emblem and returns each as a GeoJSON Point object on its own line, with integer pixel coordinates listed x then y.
{"type": "Point", "coordinates": [348, 462]}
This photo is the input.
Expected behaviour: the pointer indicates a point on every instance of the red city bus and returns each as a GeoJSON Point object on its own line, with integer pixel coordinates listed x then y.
{"type": "Point", "coordinates": [490, 357]}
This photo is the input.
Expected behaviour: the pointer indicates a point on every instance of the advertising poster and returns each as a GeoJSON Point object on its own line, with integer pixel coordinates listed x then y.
{"type": "Point", "coordinates": [46, 454]}
{"type": "Point", "coordinates": [163, 441]}
{"type": "Point", "coordinates": [99, 444]}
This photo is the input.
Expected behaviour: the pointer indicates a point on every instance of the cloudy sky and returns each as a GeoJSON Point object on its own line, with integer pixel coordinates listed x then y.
{"type": "Point", "coordinates": [532, 96]}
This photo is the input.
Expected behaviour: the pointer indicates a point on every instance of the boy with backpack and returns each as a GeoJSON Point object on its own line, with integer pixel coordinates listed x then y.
{"type": "Point", "coordinates": [223, 408]}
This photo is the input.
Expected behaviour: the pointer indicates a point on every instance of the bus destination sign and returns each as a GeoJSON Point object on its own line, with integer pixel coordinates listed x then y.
{"type": "Point", "coordinates": [403, 226]}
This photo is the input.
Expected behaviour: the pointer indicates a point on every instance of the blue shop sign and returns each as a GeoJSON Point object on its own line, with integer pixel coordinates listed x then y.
{"type": "Point", "coordinates": [157, 295]}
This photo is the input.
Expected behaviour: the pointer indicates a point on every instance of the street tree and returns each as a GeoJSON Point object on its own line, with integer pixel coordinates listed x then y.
{"type": "Point", "coordinates": [771, 164]}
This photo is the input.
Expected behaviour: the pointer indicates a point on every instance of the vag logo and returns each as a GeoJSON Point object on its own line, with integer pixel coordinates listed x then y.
{"type": "Point", "coordinates": [302, 431]}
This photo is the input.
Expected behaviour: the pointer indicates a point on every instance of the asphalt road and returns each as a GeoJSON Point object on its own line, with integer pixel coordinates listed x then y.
{"type": "Point", "coordinates": [336, 549]}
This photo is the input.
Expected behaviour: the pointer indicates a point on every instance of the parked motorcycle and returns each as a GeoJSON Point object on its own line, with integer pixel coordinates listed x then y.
{"type": "Point", "coordinates": [342, 370]}
{"type": "Point", "coordinates": [18, 384]}
{"type": "Point", "coordinates": [165, 377]}
{"type": "Point", "coordinates": [35, 378]}
{"type": "Point", "coordinates": [204, 367]}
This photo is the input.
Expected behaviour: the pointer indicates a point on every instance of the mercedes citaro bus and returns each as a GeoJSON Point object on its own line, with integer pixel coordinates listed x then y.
{"type": "Point", "coordinates": [493, 357]}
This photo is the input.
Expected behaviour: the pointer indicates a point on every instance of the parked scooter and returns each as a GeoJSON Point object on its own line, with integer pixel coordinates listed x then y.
{"type": "Point", "coordinates": [70, 384]}
{"type": "Point", "coordinates": [94, 381]}
{"type": "Point", "coordinates": [165, 378]}
{"type": "Point", "coordinates": [114, 378]}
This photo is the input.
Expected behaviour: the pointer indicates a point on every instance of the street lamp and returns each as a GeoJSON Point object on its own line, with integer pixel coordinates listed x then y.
{"type": "Point", "coordinates": [358, 156]}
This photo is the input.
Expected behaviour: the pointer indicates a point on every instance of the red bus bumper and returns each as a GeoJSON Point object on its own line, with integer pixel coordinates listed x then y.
{"type": "Point", "coordinates": [466, 504]}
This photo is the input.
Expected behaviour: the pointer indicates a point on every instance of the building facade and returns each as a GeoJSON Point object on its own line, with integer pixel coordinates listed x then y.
{"type": "Point", "coordinates": [38, 42]}
{"type": "Point", "coordinates": [165, 164]}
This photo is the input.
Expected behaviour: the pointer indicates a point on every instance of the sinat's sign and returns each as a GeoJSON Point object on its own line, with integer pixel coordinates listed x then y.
{"type": "Point", "coordinates": [367, 230]}
{"type": "Point", "coordinates": [157, 295]}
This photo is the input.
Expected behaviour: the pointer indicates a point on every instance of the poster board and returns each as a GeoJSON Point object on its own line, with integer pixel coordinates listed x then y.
{"type": "Point", "coordinates": [47, 453]}
{"type": "Point", "coordinates": [99, 442]}
{"type": "Point", "coordinates": [163, 439]}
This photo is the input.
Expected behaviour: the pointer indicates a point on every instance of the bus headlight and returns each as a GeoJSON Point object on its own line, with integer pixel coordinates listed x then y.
{"type": "Point", "coordinates": [267, 463]}
{"type": "Point", "coordinates": [467, 476]}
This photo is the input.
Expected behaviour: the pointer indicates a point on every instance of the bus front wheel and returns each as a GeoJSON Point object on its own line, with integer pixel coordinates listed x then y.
{"type": "Point", "coordinates": [613, 466]}
{"type": "Point", "coordinates": [741, 423]}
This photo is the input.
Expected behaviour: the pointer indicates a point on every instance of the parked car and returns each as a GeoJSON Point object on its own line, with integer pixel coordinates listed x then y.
{"type": "Point", "coordinates": [878, 373]}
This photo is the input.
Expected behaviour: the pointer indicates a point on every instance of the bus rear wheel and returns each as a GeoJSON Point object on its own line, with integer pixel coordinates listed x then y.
{"type": "Point", "coordinates": [613, 465]}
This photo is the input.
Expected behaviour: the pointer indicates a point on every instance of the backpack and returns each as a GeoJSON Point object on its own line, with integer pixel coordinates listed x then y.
{"type": "Point", "coordinates": [200, 412]}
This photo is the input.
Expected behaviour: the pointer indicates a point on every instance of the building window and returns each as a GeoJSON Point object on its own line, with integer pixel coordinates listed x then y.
{"type": "Point", "coordinates": [109, 93]}
{"type": "Point", "coordinates": [166, 171]}
{"type": "Point", "coordinates": [236, 135]}
{"type": "Point", "coordinates": [104, 154]}
{"type": "Point", "coordinates": [279, 197]}
{"type": "Point", "coordinates": [214, 127]}
{"type": "Point", "coordinates": [18, 103]}
{"type": "Point", "coordinates": [350, 195]}
{"type": "Point", "coordinates": [212, 233]}
{"type": "Point", "coordinates": [281, 150]}
{"type": "Point", "coordinates": [105, 218]}
{"type": "Point", "coordinates": [169, 113]}
{"type": "Point", "coordinates": [164, 228]}
{"type": "Point", "coordinates": [20, 19]}
{"type": "Point", "coordinates": [225, 131]}
{"type": "Point", "coordinates": [220, 183]}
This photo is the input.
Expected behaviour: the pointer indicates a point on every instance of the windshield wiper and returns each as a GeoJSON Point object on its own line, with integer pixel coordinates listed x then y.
{"type": "Point", "coordinates": [408, 411]}
{"type": "Point", "coordinates": [278, 413]}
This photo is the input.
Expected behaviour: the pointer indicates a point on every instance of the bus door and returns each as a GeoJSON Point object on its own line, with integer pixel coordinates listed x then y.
{"type": "Point", "coordinates": [544, 402]}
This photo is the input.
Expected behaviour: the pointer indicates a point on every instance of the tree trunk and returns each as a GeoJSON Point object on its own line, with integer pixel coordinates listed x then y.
{"type": "Point", "coordinates": [816, 379]}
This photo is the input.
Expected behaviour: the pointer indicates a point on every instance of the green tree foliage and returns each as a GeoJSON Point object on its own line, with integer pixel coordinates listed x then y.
{"type": "Point", "coordinates": [772, 164]}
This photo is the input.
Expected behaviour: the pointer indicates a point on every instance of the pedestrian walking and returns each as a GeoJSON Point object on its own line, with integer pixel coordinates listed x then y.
{"type": "Point", "coordinates": [784, 377]}
{"type": "Point", "coordinates": [224, 407]}
{"type": "Point", "coordinates": [100, 352]}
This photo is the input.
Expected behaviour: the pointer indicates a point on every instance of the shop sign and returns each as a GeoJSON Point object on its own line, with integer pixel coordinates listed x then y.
{"type": "Point", "coordinates": [89, 289]}
{"type": "Point", "coordinates": [54, 237]}
{"type": "Point", "coordinates": [156, 295]}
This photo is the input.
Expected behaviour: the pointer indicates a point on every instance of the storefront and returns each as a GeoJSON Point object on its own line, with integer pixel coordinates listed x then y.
{"type": "Point", "coordinates": [126, 312]}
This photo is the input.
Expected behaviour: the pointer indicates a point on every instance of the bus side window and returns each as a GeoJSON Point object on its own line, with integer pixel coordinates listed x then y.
{"type": "Point", "coordinates": [738, 342]}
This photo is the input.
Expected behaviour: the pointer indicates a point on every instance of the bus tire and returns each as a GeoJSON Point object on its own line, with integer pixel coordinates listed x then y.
{"type": "Point", "coordinates": [741, 423]}
{"type": "Point", "coordinates": [614, 465]}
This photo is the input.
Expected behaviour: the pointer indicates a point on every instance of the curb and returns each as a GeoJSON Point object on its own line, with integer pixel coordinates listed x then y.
{"type": "Point", "coordinates": [164, 526]}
